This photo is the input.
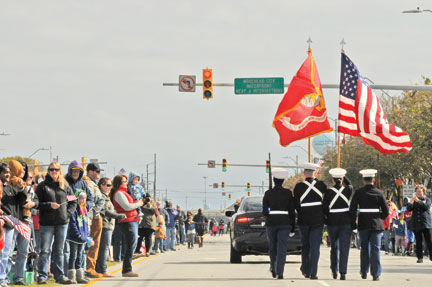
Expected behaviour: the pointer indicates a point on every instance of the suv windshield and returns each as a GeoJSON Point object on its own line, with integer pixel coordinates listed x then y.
{"type": "Point", "coordinates": [252, 204]}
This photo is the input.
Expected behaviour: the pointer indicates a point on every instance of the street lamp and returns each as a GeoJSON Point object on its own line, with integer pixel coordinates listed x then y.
{"type": "Point", "coordinates": [42, 148]}
{"type": "Point", "coordinates": [205, 192]}
{"type": "Point", "coordinates": [415, 11]}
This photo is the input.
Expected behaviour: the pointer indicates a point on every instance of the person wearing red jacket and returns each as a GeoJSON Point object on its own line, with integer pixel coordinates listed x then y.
{"type": "Point", "coordinates": [125, 204]}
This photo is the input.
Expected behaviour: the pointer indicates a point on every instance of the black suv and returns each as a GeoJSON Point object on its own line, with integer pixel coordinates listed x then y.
{"type": "Point", "coordinates": [248, 233]}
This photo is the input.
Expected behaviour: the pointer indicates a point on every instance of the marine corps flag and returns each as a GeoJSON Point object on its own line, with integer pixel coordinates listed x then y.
{"type": "Point", "coordinates": [302, 112]}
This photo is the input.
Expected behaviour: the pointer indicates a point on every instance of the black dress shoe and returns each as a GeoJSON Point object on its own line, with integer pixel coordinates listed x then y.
{"type": "Point", "coordinates": [342, 277]}
{"type": "Point", "coordinates": [273, 274]}
{"type": "Point", "coordinates": [334, 275]}
{"type": "Point", "coordinates": [279, 276]}
{"type": "Point", "coordinates": [375, 278]}
{"type": "Point", "coordinates": [314, 277]}
{"type": "Point", "coordinates": [420, 260]}
{"type": "Point", "coordinates": [21, 282]}
{"type": "Point", "coordinates": [364, 276]}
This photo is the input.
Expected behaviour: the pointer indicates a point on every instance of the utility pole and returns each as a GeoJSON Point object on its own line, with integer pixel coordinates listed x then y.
{"type": "Point", "coordinates": [154, 180]}
{"type": "Point", "coordinates": [205, 192]}
{"type": "Point", "coordinates": [50, 149]}
{"type": "Point", "coordinates": [147, 182]}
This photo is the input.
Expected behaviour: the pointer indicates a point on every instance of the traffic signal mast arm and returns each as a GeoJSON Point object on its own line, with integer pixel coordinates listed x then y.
{"type": "Point", "coordinates": [253, 165]}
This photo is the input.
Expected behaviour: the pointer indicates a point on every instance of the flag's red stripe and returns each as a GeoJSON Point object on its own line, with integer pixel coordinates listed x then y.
{"type": "Point", "coordinates": [346, 119]}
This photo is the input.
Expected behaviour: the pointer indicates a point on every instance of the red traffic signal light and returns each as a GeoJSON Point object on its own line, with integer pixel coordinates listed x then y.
{"type": "Point", "coordinates": [248, 186]}
{"type": "Point", "coordinates": [223, 185]}
{"type": "Point", "coordinates": [229, 195]}
{"type": "Point", "coordinates": [207, 84]}
{"type": "Point", "coordinates": [224, 164]}
{"type": "Point", "coordinates": [267, 166]}
{"type": "Point", "coordinates": [248, 193]}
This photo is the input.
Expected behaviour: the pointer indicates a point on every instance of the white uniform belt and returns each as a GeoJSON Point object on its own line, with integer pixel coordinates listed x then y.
{"type": "Point", "coordinates": [278, 212]}
{"type": "Point", "coordinates": [338, 210]}
{"type": "Point", "coordinates": [311, 204]}
{"type": "Point", "coordinates": [369, 210]}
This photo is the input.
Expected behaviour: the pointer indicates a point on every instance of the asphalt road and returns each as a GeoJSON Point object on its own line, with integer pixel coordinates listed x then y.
{"type": "Point", "coordinates": [209, 266]}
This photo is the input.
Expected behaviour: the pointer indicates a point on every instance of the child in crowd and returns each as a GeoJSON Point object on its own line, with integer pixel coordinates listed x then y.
{"type": "Point", "coordinates": [401, 234]}
{"type": "Point", "coordinates": [190, 232]}
{"type": "Point", "coordinates": [159, 235]}
{"type": "Point", "coordinates": [136, 190]}
{"type": "Point", "coordinates": [77, 235]}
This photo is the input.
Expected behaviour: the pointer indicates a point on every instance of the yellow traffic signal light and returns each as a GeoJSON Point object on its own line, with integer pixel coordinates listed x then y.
{"type": "Point", "coordinates": [207, 84]}
{"type": "Point", "coordinates": [84, 162]}
{"type": "Point", "coordinates": [229, 195]}
{"type": "Point", "coordinates": [267, 166]}
{"type": "Point", "coordinates": [248, 186]}
{"type": "Point", "coordinates": [223, 185]}
{"type": "Point", "coordinates": [224, 164]}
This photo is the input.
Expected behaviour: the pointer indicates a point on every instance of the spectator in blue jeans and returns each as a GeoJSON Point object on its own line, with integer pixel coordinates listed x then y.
{"type": "Point", "coordinates": [171, 227]}
{"type": "Point", "coordinates": [125, 204]}
{"type": "Point", "coordinates": [56, 206]}
{"type": "Point", "coordinates": [108, 214]}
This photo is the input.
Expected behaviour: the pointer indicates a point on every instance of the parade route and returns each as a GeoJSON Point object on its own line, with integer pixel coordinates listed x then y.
{"type": "Point", "coordinates": [209, 266]}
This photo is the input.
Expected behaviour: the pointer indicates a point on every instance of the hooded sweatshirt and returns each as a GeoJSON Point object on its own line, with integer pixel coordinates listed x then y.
{"type": "Point", "coordinates": [79, 183]}
{"type": "Point", "coordinates": [78, 229]}
{"type": "Point", "coordinates": [136, 190]}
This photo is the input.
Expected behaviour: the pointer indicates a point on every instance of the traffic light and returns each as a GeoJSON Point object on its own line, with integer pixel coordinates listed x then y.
{"type": "Point", "coordinates": [267, 166]}
{"type": "Point", "coordinates": [229, 195]}
{"type": "Point", "coordinates": [224, 164]}
{"type": "Point", "coordinates": [248, 193]}
{"type": "Point", "coordinates": [223, 185]}
{"type": "Point", "coordinates": [84, 162]}
{"type": "Point", "coordinates": [207, 84]}
{"type": "Point", "coordinates": [248, 186]}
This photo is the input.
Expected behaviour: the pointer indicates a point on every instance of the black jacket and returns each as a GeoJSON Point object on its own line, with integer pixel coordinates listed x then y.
{"type": "Point", "coordinates": [279, 200]}
{"type": "Point", "coordinates": [12, 200]}
{"type": "Point", "coordinates": [310, 209]}
{"type": "Point", "coordinates": [421, 217]}
{"type": "Point", "coordinates": [49, 191]}
{"type": "Point", "coordinates": [365, 199]}
{"type": "Point", "coordinates": [338, 214]}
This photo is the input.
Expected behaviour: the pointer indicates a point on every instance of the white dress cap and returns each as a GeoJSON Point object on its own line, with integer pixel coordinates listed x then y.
{"type": "Point", "coordinates": [368, 172]}
{"type": "Point", "coordinates": [279, 173]}
{"type": "Point", "coordinates": [337, 172]}
{"type": "Point", "coordinates": [310, 166]}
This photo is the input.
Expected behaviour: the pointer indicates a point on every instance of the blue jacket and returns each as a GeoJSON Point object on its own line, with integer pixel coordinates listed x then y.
{"type": "Point", "coordinates": [401, 229]}
{"type": "Point", "coordinates": [79, 183]}
{"type": "Point", "coordinates": [136, 190]}
{"type": "Point", "coordinates": [172, 217]}
{"type": "Point", "coordinates": [78, 229]}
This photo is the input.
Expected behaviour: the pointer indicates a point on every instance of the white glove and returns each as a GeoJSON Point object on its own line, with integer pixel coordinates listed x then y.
{"type": "Point", "coordinates": [355, 230]}
{"type": "Point", "coordinates": [291, 234]}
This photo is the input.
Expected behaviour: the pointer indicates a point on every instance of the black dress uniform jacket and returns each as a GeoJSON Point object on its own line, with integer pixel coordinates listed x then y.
{"type": "Point", "coordinates": [279, 199]}
{"type": "Point", "coordinates": [364, 199]}
{"type": "Point", "coordinates": [310, 209]}
{"type": "Point", "coordinates": [338, 212]}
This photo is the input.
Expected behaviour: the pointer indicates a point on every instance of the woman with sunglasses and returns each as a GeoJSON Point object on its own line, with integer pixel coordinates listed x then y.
{"type": "Point", "coordinates": [57, 203]}
{"type": "Point", "coordinates": [108, 214]}
{"type": "Point", "coordinates": [125, 204]}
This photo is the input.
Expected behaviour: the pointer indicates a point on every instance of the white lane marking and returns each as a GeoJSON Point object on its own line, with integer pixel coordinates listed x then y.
{"type": "Point", "coordinates": [323, 283]}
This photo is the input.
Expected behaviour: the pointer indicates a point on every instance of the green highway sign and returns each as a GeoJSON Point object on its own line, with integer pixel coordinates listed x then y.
{"type": "Point", "coordinates": [256, 86]}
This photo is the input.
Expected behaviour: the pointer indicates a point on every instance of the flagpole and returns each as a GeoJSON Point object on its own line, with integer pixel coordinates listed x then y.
{"type": "Point", "coordinates": [342, 43]}
{"type": "Point", "coordinates": [309, 149]}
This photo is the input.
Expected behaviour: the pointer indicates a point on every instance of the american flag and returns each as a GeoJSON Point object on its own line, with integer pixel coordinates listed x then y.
{"type": "Point", "coordinates": [20, 226]}
{"type": "Point", "coordinates": [361, 115]}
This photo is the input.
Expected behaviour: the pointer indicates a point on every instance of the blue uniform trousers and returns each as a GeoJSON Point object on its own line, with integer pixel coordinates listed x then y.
{"type": "Point", "coordinates": [370, 242]}
{"type": "Point", "coordinates": [311, 241]}
{"type": "Point", "coordinates": [340, 237]}
{"type": "Point", "coordinates": [278, 245]}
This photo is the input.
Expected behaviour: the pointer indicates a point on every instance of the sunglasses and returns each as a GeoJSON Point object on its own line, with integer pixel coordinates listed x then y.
{"type": "Point", "coordinates": [108, 185]}
{"type": "Point", "coordinates": [54, 169]}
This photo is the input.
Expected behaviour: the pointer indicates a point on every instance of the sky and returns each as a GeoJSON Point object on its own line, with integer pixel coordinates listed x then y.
{"type": "Point", "coordinates": [85, 77]}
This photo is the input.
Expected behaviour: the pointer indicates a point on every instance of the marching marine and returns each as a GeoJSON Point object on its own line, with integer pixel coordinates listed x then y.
{"type": "Point", "coordinates": [372, 207]}
{"type": "Point", "coordinates": [338, 220]}
{"type": "Point", "coordinates": [308, 197]}
{"type": "Point", "coordinates": [278, 208]}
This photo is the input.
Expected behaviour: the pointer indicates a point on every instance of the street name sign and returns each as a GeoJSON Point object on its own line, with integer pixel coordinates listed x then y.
{"type": "Point", "coordinates": [211, 164]}
{"type": "Point", "coordinates": [257, 86]}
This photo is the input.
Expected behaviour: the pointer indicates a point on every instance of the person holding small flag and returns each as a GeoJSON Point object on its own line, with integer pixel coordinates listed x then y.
{"type": "Point", "coordinates": [336, 209]}
{"type": "Point", "coordinates": [373, 209]}
{"type": "Point", "coordinates": [57, 203]}
{"type": "Point", "coordinates": [308, 198]}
